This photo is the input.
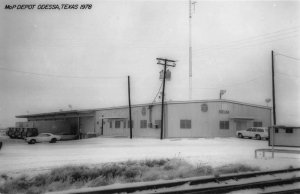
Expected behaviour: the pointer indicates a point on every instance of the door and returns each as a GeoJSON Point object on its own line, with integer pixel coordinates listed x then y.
{"type": "Point", "coordinates": [241, 125]}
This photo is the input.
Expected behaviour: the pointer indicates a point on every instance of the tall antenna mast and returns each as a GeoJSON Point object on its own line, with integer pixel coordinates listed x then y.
{"type": "Point", "coordinates": [190, 49]}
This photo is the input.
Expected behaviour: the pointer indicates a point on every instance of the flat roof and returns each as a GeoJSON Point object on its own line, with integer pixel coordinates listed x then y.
{"type": "Point", "coordinates": [88, 111]}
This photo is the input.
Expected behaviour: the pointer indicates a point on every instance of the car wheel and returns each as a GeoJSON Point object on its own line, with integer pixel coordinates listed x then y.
{"type": "Point", "coordinates": [33, 141]}
{"type": "Point", "coordinates": [240, 135]}
{"type": "Point", "coordinates": [53, 140]}
{"type": "Point", "coordinates": [258, 137]}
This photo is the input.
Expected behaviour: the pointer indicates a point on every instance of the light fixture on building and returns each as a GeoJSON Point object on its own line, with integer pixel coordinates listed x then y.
{"type": "Point", "coordinates": [222, 92]}
{"type": "Point", "coordinates": [268, 100]}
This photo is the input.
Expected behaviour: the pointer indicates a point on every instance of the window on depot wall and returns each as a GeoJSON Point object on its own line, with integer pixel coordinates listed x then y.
{"type": "Point", "coordinates": [143, 124]}
{"type": "Point", "coordinates": [110, 124]}
{"type": "Point", "coordinates": [257, 124]}
{"type": "Point", "coordinates": [185, 124]}
{"type": "Point", "coordinates": [289, 130]}
{"type": "Point", "coordinates": [224, 124]}
{"type": "Point", "coordinates": [157, 124]}
{"type": "Point", "coordinates": [117, 124]}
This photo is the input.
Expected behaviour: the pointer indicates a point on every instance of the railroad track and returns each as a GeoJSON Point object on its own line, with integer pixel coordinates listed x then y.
{"type": "Point", "coordinates": [216, 184]}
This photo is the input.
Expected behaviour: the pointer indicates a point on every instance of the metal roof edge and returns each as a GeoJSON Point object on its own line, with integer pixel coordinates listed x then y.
{"type": "Point", "coordinates": [139, 105]}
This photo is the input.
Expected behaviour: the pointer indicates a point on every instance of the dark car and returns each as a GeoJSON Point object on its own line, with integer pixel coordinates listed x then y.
{"type": "Point", "coordinates": [21, 133]}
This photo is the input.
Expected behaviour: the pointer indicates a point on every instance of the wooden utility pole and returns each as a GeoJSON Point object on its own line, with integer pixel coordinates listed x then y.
{"type": "Point", "coordinates": [129, 102]}
{"type": "Point", "coordinates": [102, 125]}
{"type": "Point", "coordinates": [190, 50]}
{"type": "Point", "coordinates": [164, 62]}
{"type": "Point", "coordinates": [273, 89]}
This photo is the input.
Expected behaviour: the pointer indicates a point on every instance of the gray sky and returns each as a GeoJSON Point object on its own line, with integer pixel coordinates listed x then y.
{"type": "Point", "coordinates": [232, 43]}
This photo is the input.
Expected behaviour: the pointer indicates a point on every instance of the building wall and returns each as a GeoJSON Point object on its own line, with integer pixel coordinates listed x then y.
{"type": "Point", "coordinates": [285, 139]}
{"type": "Point", "coordinates": [138, 114]}
{"type": "Point", "coordinates": [87, 125]}
{"type": "Point", "coordinates": [203, 123]}
{"type": "Point", "coordinates": [207, 124]}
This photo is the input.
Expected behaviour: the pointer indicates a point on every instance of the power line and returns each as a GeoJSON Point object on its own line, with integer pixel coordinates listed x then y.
{"type": "Point", "coordinates": [287, 56]}
{"type": "Point", "coordinates": [235, 84]}
{"type": "Point", "coordinates": [157, 92]}
{"type": "Point", "coordinates": [246, 45]}
{"type": "Point", "coordinates": [287, 75]}
{"type": "Point", "coordinates": [59, 76]}
{"type": "Point", "coordinates": [262, 36]}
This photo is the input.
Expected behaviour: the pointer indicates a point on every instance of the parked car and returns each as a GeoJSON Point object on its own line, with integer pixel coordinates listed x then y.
{"type": "Point", "coordinates": [254, 132]}
{"type": "Point", "coordinates": [43, 137]}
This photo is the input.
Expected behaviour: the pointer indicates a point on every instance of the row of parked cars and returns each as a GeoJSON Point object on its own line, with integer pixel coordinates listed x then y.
{"type": "Point", "coordinates": [31, 135]}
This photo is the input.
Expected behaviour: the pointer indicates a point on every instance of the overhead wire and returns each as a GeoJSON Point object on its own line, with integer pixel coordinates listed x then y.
{"type": "Point", "coordinates": [287, 75]}
{"type": "Point", "coordinates": [245, 45]}
{"type": "Point", "coordinates": [287, 56]}
{"type": "Point", "coordinates": [157, 92]}
{"type": "Point", "coordinates": [253, 38]}
{"type": "Point", "coordinates": [60, 76]}
{"type": "Point", "coordinates": [235, 84]}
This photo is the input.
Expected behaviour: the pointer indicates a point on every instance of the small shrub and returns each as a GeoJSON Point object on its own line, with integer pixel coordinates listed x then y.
{"type": "Point", "coordinates": [236, 168]}
{"type": "Point", "coordinates": [203, 170]}
{"type": "Point", "coordinates": [131, 173]}
{"type": "Point", "coordinates": [39, 180]}
{"type": "Point", "coordinates": [4, 176]}
{"type": "Point", "coordinates": [153, 163]}
{"type": "Point", "coordinates": [99, 181]}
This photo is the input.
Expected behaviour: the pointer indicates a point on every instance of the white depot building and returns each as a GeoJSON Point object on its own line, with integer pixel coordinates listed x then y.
{"type": "Point", "coordinates": [201, 118]}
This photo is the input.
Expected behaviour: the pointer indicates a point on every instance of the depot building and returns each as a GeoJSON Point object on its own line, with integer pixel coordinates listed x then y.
{"type": "Point", "coordinates": [202, 118]}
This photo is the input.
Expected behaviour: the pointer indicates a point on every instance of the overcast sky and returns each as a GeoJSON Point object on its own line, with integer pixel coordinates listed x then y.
{"type": "Point", "coordinates": [50, 59]}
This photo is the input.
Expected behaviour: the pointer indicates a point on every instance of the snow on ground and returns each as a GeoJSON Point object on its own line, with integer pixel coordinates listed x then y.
{"type": "Point", "coordinates": [20, 157]}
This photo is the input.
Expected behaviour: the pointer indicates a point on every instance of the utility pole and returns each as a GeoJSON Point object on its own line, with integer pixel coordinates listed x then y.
{"type": "Point", "coordinates": [164, 62]}
{"type": "Point", "coordinates": [129, 102]}
{"type": "Point", "coordinates": [273, 89]}
{"type": "Point", "coordinates": [190, 50]}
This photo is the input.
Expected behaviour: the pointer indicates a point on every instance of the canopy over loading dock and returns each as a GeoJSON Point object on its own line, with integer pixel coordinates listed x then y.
{"type": "Point", "coordinates": [80, 123]}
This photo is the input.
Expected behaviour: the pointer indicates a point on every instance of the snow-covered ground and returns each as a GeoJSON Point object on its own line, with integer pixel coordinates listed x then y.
{"type": "Point", "coordinates": [20, 157]}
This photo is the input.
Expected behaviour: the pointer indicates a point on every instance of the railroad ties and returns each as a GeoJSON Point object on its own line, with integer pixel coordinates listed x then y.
{"type": "Point", "coordinates": [214, 184]}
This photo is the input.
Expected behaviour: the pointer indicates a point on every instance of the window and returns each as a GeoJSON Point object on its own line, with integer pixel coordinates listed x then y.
{"type": "Point", "coordinates": [110, 124]}
{"type": "Point", "coordinates": [250, 129]}
{"type": "Point", "coordinates": [143, 124]}
{"type": "Point", "coordinates": [132, 124]}
{"type": "Point", "coordinates": [276, 130]}
{"type": "Point", "coordinates": [257, 124]}
{"type": "Point", "coordinates": [224, 124]}
{"type": "Point", "coordinates": [260, 130]}
{"type": "Point", "coordinates": [254, 130]}
{"type": "Point", "coordinates": [157, 124]}
{"type": "Point", "coordinates": [289, 130]}
{"type": "Point", "coordinates": [185, 124]}
{"type": "Point", "coordinates": [117, 124]}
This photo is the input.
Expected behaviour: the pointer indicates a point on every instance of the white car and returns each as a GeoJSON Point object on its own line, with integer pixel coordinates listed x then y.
{"type": "Point", "coordinates": [43, 137]}
{"type": "Point", "coordinates": [254, 132]}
